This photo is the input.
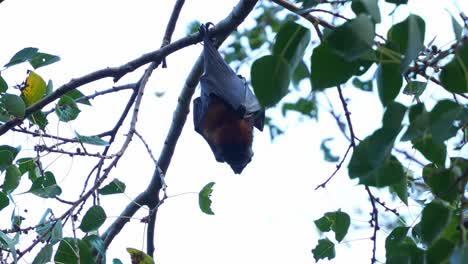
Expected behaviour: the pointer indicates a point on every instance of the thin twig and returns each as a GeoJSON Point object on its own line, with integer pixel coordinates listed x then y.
{"type": "Point", "coordinates": [148, 149]}
{"type": "Point", "coordinates": [374, 222]}
{"type": "Point", "coordinates": [171, 26]}
{"type": "Point", "coordinates": [348, 116]}
{"type": "Point", "coordinates": [336, 170]}
{"type": "Point", "coordinates": [309, 17]}
{"type": "Point", "coordinates": [43, 148]}
{"type": "Point", "coordinates": [410, 157]}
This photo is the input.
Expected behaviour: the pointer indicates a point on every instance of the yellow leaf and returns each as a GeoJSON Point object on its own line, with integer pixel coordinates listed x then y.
{"type": "Point", "coordinates": [139, 257]}
{"type": "Point", "coordinates": [34, 89]}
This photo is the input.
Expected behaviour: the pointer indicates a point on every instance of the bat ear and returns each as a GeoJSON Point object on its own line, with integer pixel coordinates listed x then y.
{"type": "Point", "coordinates": [260, 120]}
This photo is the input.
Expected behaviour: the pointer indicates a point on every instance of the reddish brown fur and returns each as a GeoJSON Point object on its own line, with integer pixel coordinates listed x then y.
{"type": "Point", "coordinates": [221, 126]}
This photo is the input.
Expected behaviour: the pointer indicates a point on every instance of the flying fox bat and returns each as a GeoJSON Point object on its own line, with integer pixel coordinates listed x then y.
{"type": "Point", "coordinates": [227, 110]}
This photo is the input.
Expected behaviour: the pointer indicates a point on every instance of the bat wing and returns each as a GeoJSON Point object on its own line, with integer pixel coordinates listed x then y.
{"type": "Point", "coordinates": [219, 79]}
{"type": "Point", "coordinates": [200, 106]}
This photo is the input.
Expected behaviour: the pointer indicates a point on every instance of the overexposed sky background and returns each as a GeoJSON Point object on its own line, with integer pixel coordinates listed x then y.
{"type": "Point", "coordinates": [264, 215]}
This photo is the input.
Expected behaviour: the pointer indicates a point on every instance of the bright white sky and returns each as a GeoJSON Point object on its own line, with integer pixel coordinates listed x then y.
{"type": "Point", "coordinates": [264, 215]}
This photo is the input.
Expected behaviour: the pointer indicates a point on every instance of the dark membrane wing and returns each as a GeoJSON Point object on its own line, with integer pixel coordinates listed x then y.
{"type": "Point", "coordinates": [197, 114]}
{"type": "Point", "coordinates": [219, 79]}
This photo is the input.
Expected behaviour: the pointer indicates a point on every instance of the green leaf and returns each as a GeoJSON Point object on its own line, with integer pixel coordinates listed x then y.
{"type": "Point", "coordinates": [310, 3]}
{"type": "Point", "coordinates": [341, 225]}
{"type": "Point", "coordinates": [66, 109]}
{"type": "Point", "coordinates": [93, 219]}
{"type": "Point", "coordinates": [39, 118]}
{"type": "Point", "coordinates": [442, 116]}
{"type": "Point", "coordinates": [454, 75]}
{"type": "Point", "coordinates": [3, 85]}
{"type": "Point", "coordinates": [270, 79]}
{"type": "Point", "coordinates": [116, 261]}
{"type": "Point", "coordinates": [324, 249]}
{"type": "Point", "coordinates": [458, 165]}
{"type": "Point", "coordinates": [45, 186]}
{"type": "Point", "coordinates": [407, 38]}
{"type": "Point", "coordinates": [42, 59]}
{"type": "Point", "coordinates": [14, 105]}
{"type": "Point", "coordinates": [12, 179]}
{"type": "Point", "coordinates": [73, 251]}
{"type": "Point", "coordinates": [440, 252]}
{"type": "Point", "coordinates": [49, 88]}
{"type": "Point", "coordinates": [307, 107]}
{"type": "Point", "coordinates": [457, 29]}
{"type": "Point", "coordinates": [41, 230]}
{"type": "Point", "coordinates": [93, 140]}
{"type": "Point", "coordinates": [4, 201]}
{"type": "Point", "coordinates": [272, 74]}
{"type": "Point", "coordinates": [389, 81]}
{"type": "Point", "coordinates": [391, 172]}
{"type": "Point", "coordinates": [393, 117]}
{"type": "Point", "coordinates": [97, 245]}
{"type": "Point", "coordinates": [329, 69]}
{"type": "Point", "coordinates": [193, 27]}
{"type": "Point", "coordinates": [9, 243]}
{"type": "Point", "coordinates": [291, 42]}
{"type": "Point", "coordinates": [139, 257]}
{"type": "Point", "coordinates": [400, 189]}
{"type": "Point", "coordinates": [443, 182]}
{"type": "Point", "coordinates": [370, 7]}
{"type": "Point", "coordinates": [399, 248]}
{"type": "Point", "coordinates": [44, 256]}
{"type": "Point", "coordinates": [365, 86]}
{"type": "Point", "coordinates": [416, 111]}
{"type": "Point", "coordinates": [26, 164]}
{"type": "Point", "coordinates": [397, 2]}
{"type": "Point", "coordinates": [433, 151]}
{"type": "Point", "coordinates": [257, 37]}
{"type": "Point", "coordinates": [113, 187]}
{"type": "Point", "coordinates": [352, 39]}
{"type": "Point", "coordinates": [337, 221]}
{"type": "Point", "coordinates": [415, 88]}
{"type": "Point", "coordinates": [395, 240]}
{"type": "Point", "coordinates": [7, 155]}
{"type": "Point", "coordinates": [56, 234]}
{"type": "Point", "coordinates": [324, 223]}
{"type": "Point", "coordinates": [22, 56]}
{"type": "Point", "coordinates": [435, 218]}
{"type": "Point", "coordinates": [460, 255]}
{"type": "Point", "coordinates": [301, 72]}
{"type": "Point", "coordinates": [371, 162]}
{"type": "Point", "coordinates": [328, 156]}
{"type": "Point", "coordinates": [48, 229]}
{"type": "Point", "coordinates": [204, 198]}
{"type": "Point", "coordinates": [76, 95]}
{"type": "Point", "coordinates": [419, 122]}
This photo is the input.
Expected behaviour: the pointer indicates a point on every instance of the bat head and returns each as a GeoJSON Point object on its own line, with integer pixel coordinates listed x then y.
{"type": "Point", "coordinates": [236, 155]}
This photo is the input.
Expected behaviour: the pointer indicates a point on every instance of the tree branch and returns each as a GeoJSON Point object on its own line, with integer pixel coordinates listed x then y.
{"type": "Point", "coordinates": [117, 72]}
{"type": "Point", "coordinates": [150, 196]}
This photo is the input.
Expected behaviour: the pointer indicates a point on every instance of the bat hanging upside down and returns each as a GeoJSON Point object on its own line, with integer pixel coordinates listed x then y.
{"type": "Point", "coordinates": [227, 110]}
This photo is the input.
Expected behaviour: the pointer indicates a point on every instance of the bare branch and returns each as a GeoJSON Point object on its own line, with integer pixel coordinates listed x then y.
{"type": "Point", "coordinates": [374, 222]}
{"type": "Point", "coordinates": [314, 20]}
{"type": "Point", "coordinates": [348, 117]}
{"type": "Point", "coordinates": [336, 170]}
